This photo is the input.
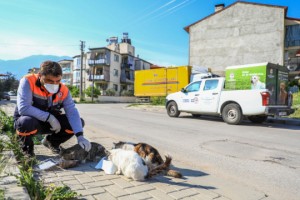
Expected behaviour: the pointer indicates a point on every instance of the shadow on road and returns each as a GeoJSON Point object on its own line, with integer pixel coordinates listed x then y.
{"type": "Point", "coordinates": [270, 123]}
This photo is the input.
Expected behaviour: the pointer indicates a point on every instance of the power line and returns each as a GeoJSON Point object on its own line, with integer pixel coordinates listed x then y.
{"type": "Point", "coordinates": [36, 45]}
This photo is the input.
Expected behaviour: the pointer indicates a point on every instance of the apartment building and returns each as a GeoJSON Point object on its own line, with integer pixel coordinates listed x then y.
{"type": "Point", "coordinates": [112, 67]}
{"type": "Point", "coordinates": [245, 33]}
{"type": "Point", "coordinates": [67, 69]}
{"type": "Point", "coordinates": [108, 68]}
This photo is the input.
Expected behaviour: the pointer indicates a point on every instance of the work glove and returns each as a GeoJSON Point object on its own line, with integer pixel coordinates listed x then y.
{"type": "Point", "coordinates": [54, 124]}
{"type": "Point", "coordinates": [84, 143]}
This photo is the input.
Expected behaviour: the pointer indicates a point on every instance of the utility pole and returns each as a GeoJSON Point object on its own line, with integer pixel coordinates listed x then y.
{"type": "Point", "coordinates": [82, 46]}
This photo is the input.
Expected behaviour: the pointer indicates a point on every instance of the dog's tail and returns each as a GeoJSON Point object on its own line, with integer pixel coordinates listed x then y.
{"type": "Point", "coordinates": [160, 168]}
{"type": "Point", "coordinates": [173, 173]}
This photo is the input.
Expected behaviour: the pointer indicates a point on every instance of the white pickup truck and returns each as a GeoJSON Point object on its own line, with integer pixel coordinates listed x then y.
{"type": "Point", "coordinates": [208, 97]}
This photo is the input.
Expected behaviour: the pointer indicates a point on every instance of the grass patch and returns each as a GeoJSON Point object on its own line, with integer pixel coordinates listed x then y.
{"type": "Point", "coordinates": [136, 104]}
{"type": "Point", "coordinates": [1, 194]}
{"type": "Point", "coordinates": [36, 189]}
{"type": "Point", "coordinates": [296, 106]}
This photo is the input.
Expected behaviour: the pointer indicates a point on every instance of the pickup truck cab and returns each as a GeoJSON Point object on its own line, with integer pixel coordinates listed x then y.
{"type": "Point", "coordinates": [208, 97]}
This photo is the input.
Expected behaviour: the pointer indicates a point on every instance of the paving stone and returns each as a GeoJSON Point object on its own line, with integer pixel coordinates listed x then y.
{"type": "Point", "coordinates": [8, 180]}
{"type": "Point", "coordinates": [105, 177]}
{"type": "Point", "coordinates": [204, 197]}
{"type": "Point", "coordinates": [91, 191]}
{"type": "Point", "coordinates": [180, 186]}
{"type": "Point", "coordinates": [68, 173]}
{"type": "Point", "coordinates": [72, 182]}
{"type": "Point", "coordinates": [183, 193]}
{"type": "Point", "coordinates": [166, 188]}
{"type": "Point", "coordinates": [122, 183]}
{"type": "Point", "coordinates": [137, 183]}
{"type": "Point", "coordinates": [46, 174]}
{"type": "Point", "coordinates": [57, 179]}
{"type": "Point", "coordinates": [206, 193]}
{"type": "Point", "coordinates": [127, 197]}
{"type": "Point", "coordinates": [157, 194]}
{"type": "Point", "coordinates": [140, 188]}
{"type": "Point", "coordinates": [104, 196]}
{"type": "Point", "coordinates": [84, 178]}
{"type": "Point", "coordinates": [90, 197]}
{"type": "Point", "coordinates": [98, 184]}
{"type": "Point", "coordinates": [16, 193]}
{"type": "Point", "coordinates": [141, 195]}
{"type": "Point", "coordinates": [95, 173]}
{"type": "Point", "coordinates": [116, 191]}
{"type": "Point", "coordinates": [76, 187]}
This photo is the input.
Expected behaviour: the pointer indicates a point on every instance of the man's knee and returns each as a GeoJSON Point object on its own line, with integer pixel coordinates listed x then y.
{"type": "Point", "coordinates": [26, 124]}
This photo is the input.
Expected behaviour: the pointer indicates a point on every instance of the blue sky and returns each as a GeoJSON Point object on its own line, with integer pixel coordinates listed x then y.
{"type": "Point", "coordinates": [55, 27]}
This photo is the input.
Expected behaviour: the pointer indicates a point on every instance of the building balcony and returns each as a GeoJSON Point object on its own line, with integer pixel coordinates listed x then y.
{"type": "Point", "coordinates": [125, 66]}
{"type": "Point", "coordinates": [96, 77]}
{"type": "Point", "coordinates": [96, 62]}
{"type": "Point", "coordinates": [292, 43]}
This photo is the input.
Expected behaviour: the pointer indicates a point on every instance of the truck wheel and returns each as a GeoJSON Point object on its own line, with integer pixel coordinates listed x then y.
{"type": "Point", "coordinates": [232, 114]}
{"type": "Point", "coordinates": [258, 119]}
{"type": "Point", "coordinates": [172, 109]}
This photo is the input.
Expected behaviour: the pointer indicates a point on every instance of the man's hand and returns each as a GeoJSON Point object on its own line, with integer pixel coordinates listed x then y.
{"type": "Point", "coordinates": [84, 143]}
{"type": "Point", "coordinates": [54, 124]}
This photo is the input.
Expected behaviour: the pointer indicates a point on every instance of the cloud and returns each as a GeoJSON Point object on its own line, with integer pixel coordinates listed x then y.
{"type": "Point", "coordinates": [15, 47]}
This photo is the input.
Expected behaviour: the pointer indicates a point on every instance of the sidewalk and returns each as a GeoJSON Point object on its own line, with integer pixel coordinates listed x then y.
{"type": "Point", "coordinates": [95, 184]}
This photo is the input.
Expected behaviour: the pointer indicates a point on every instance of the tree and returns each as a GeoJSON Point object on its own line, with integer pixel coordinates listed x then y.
{"type": "Point", "coordinates": [10, 83]}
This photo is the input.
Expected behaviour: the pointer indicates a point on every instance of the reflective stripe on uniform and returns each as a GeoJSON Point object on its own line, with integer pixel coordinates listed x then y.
{"type": "Point", "coordinates": [27, 133]}
{"type": "Point", "coordinates": [69, 131]}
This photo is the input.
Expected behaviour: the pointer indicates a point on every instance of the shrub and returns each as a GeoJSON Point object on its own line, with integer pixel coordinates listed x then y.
{"type": "Point", "coordinates": [88, 92]}
{"type": "Point", "coordinates": [110, 92]}
{"type": "Point", "coordinates": [74, 90]}
{"type": "Point", "coordinates": [158, 100]}
{"type": "Point", "coordinates": [128, 93]}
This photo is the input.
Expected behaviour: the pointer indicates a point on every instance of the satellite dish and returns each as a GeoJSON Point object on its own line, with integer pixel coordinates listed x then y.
{"type": "Point", "coordinates": [292, 67]}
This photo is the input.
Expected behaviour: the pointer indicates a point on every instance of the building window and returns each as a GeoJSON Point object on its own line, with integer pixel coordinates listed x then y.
{"type": "Point", "coordinates": [116, 58]}
{"type": "Point", "coordinates": [116, 87]}
{"type": "Point", "coordinates": [116, 72]}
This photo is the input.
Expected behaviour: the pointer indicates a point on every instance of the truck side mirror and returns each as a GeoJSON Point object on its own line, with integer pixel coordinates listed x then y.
{"type": "Point", "coordinates": [183, 90]}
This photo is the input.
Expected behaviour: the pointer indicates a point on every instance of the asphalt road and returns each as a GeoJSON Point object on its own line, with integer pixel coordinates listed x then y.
{"type": "Point", "coordinates": [265, 158]}
{"type": "Point", "coordinates": [241, 162]}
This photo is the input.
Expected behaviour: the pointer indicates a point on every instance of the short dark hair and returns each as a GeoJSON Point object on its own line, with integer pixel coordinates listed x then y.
{"type": "Point", "coordinates": [50, 68]}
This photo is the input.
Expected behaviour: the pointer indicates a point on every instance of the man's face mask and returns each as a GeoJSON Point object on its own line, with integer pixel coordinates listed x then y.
{"type": "Point", "coordinates": [51, 83]}
{"type": "Point", "coordinates": [51, 88]}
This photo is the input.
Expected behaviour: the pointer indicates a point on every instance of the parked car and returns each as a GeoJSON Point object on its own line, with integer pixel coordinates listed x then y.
{"type": "Point", "coordinates": [12, 93]}
{"type": "Point", "coordinates": [4, 95]}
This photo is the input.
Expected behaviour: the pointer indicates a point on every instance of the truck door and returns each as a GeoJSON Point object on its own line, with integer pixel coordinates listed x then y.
{"type": "Point", "coordinates": [189, 98]}
{"type": "Point", "coordinates": [210, 95]}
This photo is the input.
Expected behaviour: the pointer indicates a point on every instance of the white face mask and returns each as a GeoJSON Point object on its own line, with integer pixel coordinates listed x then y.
{"type": "Point", "coordinates": [51, 88]}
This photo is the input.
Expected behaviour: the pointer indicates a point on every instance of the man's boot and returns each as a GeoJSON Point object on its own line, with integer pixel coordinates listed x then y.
{"type": "Point", "coordinates": [48, 144]}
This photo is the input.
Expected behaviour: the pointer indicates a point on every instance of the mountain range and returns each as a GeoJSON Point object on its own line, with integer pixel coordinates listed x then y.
{"type": "Point", "coordinates": [20, 67]}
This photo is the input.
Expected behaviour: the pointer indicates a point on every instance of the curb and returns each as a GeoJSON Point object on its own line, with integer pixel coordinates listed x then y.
{"type": "Point", "coordinates": [8, 180]}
